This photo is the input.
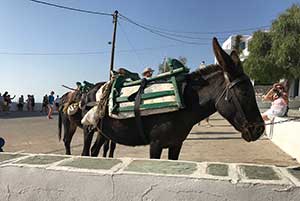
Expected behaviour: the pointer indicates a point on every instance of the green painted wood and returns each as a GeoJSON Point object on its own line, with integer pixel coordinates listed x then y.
{"type": "Point", "coordinates": [160, 76]}
{"type": "Point", "coordinates": [115, 92]}
{"type": "Point", "coordinates": [149, 106]}
{"type": "Point", "coordinates": [148, 96]}
{"type": "Point", "coordinates": [112, 98]}
{"type": "Point", "coordinates": [177, 95]}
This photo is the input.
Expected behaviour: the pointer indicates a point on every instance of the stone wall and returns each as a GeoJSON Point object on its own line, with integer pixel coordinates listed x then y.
{"type": "Point", "coordinates": [285, 135]}
{"type": "Point", "coordinates": [53, 177]}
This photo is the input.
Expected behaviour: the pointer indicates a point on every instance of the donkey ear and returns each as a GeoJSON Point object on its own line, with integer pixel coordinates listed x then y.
{"type": "Point", "coordinates": [234, 56]}
{"type": "Point", "coordinates": [236, 60]}
{"type": "Point", "coordinates": [225, 61]}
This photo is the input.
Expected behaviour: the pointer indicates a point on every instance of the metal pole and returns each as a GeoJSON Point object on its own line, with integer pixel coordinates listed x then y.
{"type": "Point", "coordinates": [115, 21]}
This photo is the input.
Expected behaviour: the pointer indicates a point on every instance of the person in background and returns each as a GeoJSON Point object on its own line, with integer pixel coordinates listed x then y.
{"type": "Point", "coordinates": [1, 102]}
{"type": "Point", "coordinates": [8, 101]}
{"type": "Point", "coordinates": [29, 104]}
{"type": "Point", "coordinates": [57, 102]}
{"type": "Point", "coordinates": [32, 102]}
{"type": "Point", "coordinates": [5, 96]}
{"type": "Point", "coordinates": [50, 104]}
{"type": "Point", "coordinates": [202, 65]}
{"type": "Point", "coordinates": [2, 143]}
{"type": "Point", "coordinates": [147, 73]}
{"type": "Point", "coordinates": [45, 104]}
{"type": "Point", "coordinates": [21, 103]}
{"type": "Point", "coordinates": [279, 98]}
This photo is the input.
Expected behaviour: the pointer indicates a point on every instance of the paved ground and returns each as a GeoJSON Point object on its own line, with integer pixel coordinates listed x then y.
{"type": "Point", "coordinates": [37, 134]}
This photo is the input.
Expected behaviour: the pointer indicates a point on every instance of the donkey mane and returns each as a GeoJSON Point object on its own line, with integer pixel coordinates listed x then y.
{"type": "Point", "coordinates": [208, 70]}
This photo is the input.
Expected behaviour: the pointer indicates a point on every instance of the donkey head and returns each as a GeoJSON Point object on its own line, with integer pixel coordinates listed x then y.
{"type": "Point", "coordinates": [236, 101]}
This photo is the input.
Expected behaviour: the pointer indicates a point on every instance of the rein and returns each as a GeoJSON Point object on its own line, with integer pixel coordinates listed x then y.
{"type": "Point", "coordinates": [279, 122]}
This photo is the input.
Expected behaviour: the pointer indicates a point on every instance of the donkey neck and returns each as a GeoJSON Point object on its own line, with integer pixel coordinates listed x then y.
{"type": "Point", "coordinates": [203, 90]}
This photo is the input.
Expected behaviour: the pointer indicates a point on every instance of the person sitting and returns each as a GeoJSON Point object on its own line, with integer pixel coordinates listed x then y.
{"type": "Point", "coordinates": [279, 100]}
{"type": "Point", "coordinates": [147, 73]}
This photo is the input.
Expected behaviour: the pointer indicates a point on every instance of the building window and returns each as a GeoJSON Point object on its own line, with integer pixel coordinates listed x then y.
{"type": "Point", "coordinates": [242, 45]}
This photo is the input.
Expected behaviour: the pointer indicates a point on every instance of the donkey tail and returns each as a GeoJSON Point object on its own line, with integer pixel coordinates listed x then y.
{"type": "Point", "coordinates": [59, 124]}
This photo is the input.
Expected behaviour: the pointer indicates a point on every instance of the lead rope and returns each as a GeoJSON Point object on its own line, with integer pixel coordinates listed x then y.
{"type": "Point", "coordinates": [282, 121]}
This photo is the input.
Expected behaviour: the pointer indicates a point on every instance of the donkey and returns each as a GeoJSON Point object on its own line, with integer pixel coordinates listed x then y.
{"type": "Point", "coordinates": [223, 87]}
{"type": "Point", "coordinates": [71, 122]}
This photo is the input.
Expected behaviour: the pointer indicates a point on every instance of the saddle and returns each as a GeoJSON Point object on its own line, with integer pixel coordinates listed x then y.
{"type": "Point", "coordinates": [142, 97]}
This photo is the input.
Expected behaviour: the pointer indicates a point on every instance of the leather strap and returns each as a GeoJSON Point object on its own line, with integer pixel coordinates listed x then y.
{"type": "Point", "coordinates": [137, 112]}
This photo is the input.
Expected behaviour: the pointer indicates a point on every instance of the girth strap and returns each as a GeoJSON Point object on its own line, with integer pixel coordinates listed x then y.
{"type": "Point", "coordinates": [137, 112]}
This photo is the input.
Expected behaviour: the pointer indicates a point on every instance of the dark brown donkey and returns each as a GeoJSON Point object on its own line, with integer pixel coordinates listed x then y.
{"type": "Point", "coordinates": [223, 87]}
{"type": "Point", "coordinates": [71, 122]}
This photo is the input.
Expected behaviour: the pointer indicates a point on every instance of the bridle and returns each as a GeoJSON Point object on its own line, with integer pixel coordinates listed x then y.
{"type": "Point", "coordinates": [227, 90]}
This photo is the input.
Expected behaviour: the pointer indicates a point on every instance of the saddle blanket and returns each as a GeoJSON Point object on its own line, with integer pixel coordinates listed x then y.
{"type": "Point", "coordinates": [157, 98]}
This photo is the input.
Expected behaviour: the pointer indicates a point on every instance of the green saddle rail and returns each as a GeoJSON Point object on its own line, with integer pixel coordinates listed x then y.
{"type": "Point", "coordinates": [174, 77]}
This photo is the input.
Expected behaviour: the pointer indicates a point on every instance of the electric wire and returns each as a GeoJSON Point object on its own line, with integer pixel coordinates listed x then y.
{"type": "Point", "coordinates": [130, 44]}
{"type": "Point", "coordinates": [86, 53]}
{"type": "Point", "coordinates": [71, 8]}
{"type": "Point", "coordinates": [164, 30]}
{"type": "Point", "coordinates": [158, 33]}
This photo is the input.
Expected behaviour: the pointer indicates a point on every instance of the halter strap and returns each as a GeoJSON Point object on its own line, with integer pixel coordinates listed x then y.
{"type": "Point", "coordinates": [234, 98]}
{"type": "Point", "coordinates": [229, 86]}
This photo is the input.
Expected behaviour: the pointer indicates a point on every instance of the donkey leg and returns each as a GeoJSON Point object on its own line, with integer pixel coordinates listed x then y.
{"type": "Point", "coordinates": [87, 140]}
{"type": "Point", "coordinates": [173, 153]}
{"type": "Point", "coordinates": [100, 140]}
{"type": "Point", "coordinates": [106, 147]}
{"type": "Point", "coordinates": [112, 149]}
{"type": "Point", "coordinates": [155, 149]}
{"type": "Point", "coordinates": [68, 135]}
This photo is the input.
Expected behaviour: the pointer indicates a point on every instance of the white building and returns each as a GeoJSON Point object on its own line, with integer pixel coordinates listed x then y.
{"type": "Point", "coordinates": [229, 45]}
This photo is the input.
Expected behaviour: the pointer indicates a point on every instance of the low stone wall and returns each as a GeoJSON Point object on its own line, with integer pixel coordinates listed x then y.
{"type": "Point", "coordinates": [54, 177]}
{"type": "Point", "coordinates": [286, 136]}
{"type": "Point", "coordinates": [13, 106]}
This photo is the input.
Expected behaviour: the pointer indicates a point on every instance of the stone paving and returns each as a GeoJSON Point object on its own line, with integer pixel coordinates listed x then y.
{"type": "Point", "coordinates": [235, 173]}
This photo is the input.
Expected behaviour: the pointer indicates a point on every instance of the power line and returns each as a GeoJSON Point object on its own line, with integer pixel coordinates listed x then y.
{"type": "Point", "coordinates": [130, 44]}
{"type": "Point", "coordinates": [168, 31]}
{"type": "Point", "coordinates": [165, 33]}
{"type": "Point", "coordinates": [72, 9]}
{"type": "Point", "coordinates": [158, 33]}
{"type": "Point", "coordinates": [185, 36]}
{"type": "Point", "coordinates": [85, 53]}
{"type": "Point", "coordinates": [52, 53]}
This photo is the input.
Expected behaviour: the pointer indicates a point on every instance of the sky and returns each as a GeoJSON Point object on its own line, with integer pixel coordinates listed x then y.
{"type": "Point", "coordinates": [44, 47]}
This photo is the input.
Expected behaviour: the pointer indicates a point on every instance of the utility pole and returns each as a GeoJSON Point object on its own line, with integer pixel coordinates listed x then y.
{"type": "Point", "coordinates": [115, 21]}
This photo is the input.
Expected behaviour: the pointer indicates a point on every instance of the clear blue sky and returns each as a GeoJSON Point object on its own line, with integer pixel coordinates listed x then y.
{"type": "Point", "coordinates": [28, 27]}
